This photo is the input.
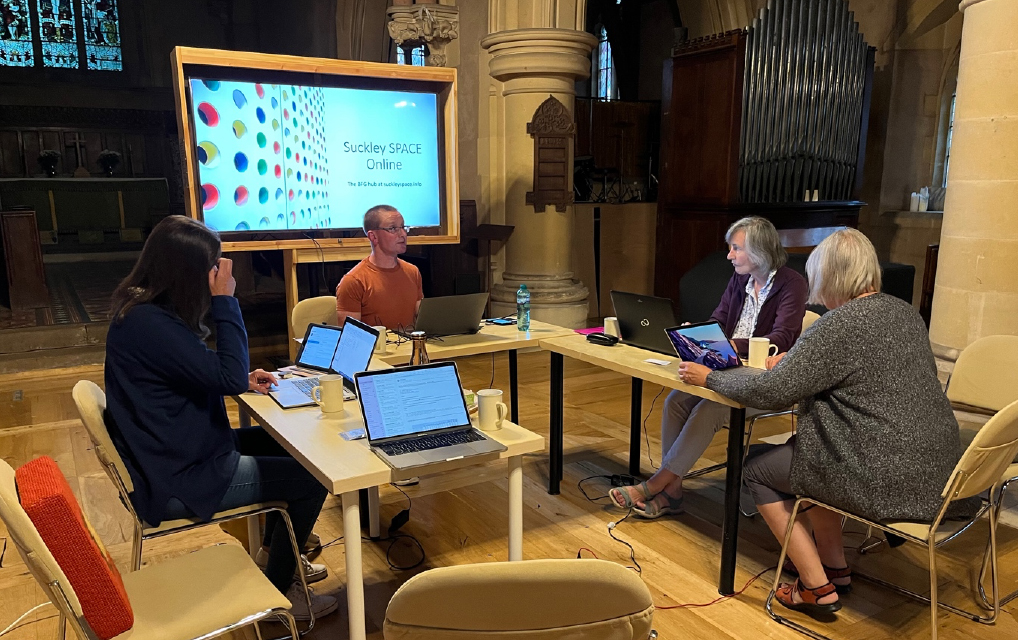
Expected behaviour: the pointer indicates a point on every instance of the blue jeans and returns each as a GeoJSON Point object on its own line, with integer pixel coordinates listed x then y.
{"type": "Point", "coordinates": [267, 472]}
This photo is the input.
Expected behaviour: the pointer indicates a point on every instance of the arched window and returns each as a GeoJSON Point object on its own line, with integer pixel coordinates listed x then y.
{"type": "Point", "coordinates": [602, 77]}
{"type": "Point", "coordinates": [950, 137]}
{"type": "Point", "coordinates": [416, 56]}
{"type": "Point", "coordinates": [945, 124]}
{"type": "Point", "coordinates": [68, 34]}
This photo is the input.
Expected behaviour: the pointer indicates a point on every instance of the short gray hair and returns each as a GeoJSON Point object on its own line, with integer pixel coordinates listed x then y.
{"type": "Point", "coordinates": [842, 267]}
{"type": "Point", "coordinates": [762, 242]}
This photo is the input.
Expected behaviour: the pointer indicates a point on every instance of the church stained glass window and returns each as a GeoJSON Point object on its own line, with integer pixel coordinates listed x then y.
{"type": "Point", "coordinates": [16, 49]}
{"type": "Point", "coordinates": [69, 34]}
{"type": "Point", "coordinates": [101, 32]}
{"type": "Point", "coordinates": [57, 32]}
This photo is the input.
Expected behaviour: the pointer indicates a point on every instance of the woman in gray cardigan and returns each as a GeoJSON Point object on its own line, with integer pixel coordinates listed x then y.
{"type": "Point", "coordinates": [876, 434]}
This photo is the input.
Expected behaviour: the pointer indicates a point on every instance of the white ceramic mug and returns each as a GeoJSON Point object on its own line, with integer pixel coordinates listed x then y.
{"type": "Point", "coordinates": [329, 393]}
{"type": "Point", "coordinates": [383, 336]}
{"type": "Point", "coordinates": [759, 350]}
{"type": "Point", "coordinates": [611, 326]}
{"type": "Point", "coordinates": [491, 411]}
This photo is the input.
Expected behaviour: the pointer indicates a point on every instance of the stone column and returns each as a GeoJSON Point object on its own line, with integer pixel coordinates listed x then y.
{"type": "Point", "coordinates": [977, 273]}
{"type": "Point", "coordinates": [532, 64]}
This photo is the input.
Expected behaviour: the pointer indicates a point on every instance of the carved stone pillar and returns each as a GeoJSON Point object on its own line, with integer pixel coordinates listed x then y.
{"type": "Point", "coordinates": [531, 65]}
{"type": "Point", "coordinates": [977, 289]}
{"type": "Point", "coordinates": [435, 25]}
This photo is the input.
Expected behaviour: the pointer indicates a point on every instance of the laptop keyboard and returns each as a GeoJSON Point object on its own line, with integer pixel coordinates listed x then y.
{"type": "Point", "coordinates": [425, 443]}
{"type": "Point", "coordinates": [305, 385]}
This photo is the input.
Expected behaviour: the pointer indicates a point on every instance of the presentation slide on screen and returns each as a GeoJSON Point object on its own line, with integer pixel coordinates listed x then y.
{"type": "Point", "coordinates": [275, 157]}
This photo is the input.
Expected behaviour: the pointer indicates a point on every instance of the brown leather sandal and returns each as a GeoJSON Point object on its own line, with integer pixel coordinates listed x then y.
{"type": "Point", "coordinates": [837, 574]}
{"type": "Point", "coordinates": [832, 575]}
{"type": "Point", "coordinates": [809, 604]}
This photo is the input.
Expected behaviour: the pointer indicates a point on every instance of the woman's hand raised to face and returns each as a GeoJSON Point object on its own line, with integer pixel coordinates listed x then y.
{"type": "Point", "coordinates": [221, 282]}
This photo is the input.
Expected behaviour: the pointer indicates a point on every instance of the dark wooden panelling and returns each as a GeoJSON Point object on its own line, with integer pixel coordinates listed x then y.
{"type": "Point", "coordinates": [22, 255]}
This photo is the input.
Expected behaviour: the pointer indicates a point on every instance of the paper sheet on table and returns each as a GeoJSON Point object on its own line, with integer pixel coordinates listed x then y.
{"type": "Point", "coordinates": [780, 438]}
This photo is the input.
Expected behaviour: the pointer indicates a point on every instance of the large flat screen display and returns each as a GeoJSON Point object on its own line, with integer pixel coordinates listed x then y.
{"type": "Point", "coordinates": [274, 157]}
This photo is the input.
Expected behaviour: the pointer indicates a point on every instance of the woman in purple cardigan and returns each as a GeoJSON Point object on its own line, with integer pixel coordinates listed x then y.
{"type": "Point", "coordinates": [764, 298]}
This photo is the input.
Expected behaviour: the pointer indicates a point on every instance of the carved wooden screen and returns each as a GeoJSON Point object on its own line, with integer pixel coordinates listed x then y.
{"type": "Point", "coordinates": [552, 129]}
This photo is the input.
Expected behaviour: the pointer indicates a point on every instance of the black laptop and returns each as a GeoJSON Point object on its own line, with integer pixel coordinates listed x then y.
{"type": "Point", "coordinates": [451, 315]}
{"type": "Point", "coordinates": [643, 320]}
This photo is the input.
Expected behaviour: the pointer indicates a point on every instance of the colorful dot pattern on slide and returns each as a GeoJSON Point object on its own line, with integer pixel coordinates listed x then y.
{"type": "Point", "coordinates": [261, 155]}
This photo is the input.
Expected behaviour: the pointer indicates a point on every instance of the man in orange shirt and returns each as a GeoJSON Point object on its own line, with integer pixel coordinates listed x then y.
{"type": "Point", "coordinates": [382, 289]}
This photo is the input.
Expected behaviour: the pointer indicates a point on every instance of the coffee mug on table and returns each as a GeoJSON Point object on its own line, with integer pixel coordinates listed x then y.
{"type": "Point", "coordinates": [611, 326]}
{"type": "Point", "coordinates": [329, 393]}
{"type": "Point", "coordinates": [491, 411]}
{"type": "Point", "coordinates": [759, 350]}
{"type": "Point", "coordinates": [383, 336]}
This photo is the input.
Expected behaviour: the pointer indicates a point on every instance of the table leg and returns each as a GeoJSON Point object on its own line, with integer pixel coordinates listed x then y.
{"type": "Point", "coordinates": [373, 526]}
{"type": "Point", "coordinates": [733, 489]}
{"type": "Point", "coordinates": [243, 417]}
{"type": "Point", "coordinates": [514, 402]}
{"type": "Point", "coordinates": [516, 508]}
{"type": "Point", "coordinates": [354, 569]}
{"type": "Point", "coordinates": [635, 426]}
{"type": "Point", "coordinates": [555, 427]}
{"type": "Point", "coordinates": [254, 535]}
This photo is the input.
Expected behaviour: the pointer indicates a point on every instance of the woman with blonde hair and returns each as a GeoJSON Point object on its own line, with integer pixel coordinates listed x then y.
{"type": "Point", "coordinates": [876, 435]}
{"type": "Point", "coordinates": [764, 298]}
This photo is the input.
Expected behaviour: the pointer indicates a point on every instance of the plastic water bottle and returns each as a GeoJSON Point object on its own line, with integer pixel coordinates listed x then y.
{"type": "Point", "coordinates": [523, 308]}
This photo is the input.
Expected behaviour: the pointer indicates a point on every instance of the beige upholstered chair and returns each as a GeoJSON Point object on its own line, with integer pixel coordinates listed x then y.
{"type": "Point", "coordinates": [320, 310]}
{"type": "Point", "coordinates": [91, 403]}
{"type": "Point", "coordinates": [981, 383]}
{"type": "Point", "coordinates": [981, 467]}
{"type": "Point", "coordinates": [197, 595]}
{"type": "Point", "coordinates": [529, 600]}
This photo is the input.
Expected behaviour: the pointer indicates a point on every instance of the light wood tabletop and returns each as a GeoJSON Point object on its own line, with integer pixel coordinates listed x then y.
{"type": "Point", "coordinates": [631, 361]}
{"type": "Point", "coordinates": [313, 438]}
{"type": "Point", "coordinates": [346, 466]}
{"type": "Point", "coordinates": [490, 339]}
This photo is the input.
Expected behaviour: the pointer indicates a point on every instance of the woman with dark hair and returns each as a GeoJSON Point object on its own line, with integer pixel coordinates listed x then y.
{"type": "Point", "coordinates": [165, 409]}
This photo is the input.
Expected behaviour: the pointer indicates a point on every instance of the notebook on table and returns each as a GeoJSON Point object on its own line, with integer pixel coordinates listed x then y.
{"type": "Point", "coordinates": [417, 415]}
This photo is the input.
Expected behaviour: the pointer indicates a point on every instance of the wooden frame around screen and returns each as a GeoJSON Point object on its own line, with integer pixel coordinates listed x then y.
{"type": "Point", "coordinates": [450, 231]}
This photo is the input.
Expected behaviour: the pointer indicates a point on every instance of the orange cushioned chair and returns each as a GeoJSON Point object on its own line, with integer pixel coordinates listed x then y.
{"type": "Point", "coordinates": [197, 595]}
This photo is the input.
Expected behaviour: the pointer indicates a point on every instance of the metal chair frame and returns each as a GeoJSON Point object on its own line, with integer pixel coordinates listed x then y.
{"type": "Point", "coordinates": [997, 505]}
{"type": "Point", "coordinates": [930, 543]}
{"type": "Point", "coordinates": [139, 526]}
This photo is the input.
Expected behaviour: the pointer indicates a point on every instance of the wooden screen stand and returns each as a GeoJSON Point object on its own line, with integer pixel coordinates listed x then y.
{"type": "Point", "coordinates": [488, 233]}
{"type": "Point", "coordinates": [293, 257]}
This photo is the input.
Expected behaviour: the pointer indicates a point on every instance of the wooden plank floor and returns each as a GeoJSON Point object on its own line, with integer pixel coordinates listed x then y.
{"type": "Point", "coordinates": [461, 517]}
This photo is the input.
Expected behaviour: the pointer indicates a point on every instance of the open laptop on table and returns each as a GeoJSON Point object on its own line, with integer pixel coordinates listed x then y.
{"type": "Point", "coordinates": [643, 320]}
{"type": "Point", "coordinates": [451, 315]}
{"type": "Point", "coordinates": [417, 415]}
{"type": "Point", "coordinates": [327, 350]}
{"type": "Point", "coordinates": [706, 343]}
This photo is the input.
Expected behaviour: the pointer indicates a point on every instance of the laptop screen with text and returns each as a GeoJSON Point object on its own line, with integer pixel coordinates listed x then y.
{"type": "Point", "coordinates": [353, 354]}
{"type": "Point", "coordinates": [412, 401]}
{"type": "Point", "coordinates": [319, 347]}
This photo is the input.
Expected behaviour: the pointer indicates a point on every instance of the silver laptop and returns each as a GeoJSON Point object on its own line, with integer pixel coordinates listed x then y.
{"type": "Point", "coordinates": [327, 350]}
{"type": "Point", "coordinates": [451, 315]}
{"type": "Point", "coordinates": [417, 415]}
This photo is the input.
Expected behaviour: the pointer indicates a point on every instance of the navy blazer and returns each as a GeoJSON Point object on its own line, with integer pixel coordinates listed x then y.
{"type": "Point", "coordinates": [780, 317]}
{"type": "Point", "coordinates": [165, 410]}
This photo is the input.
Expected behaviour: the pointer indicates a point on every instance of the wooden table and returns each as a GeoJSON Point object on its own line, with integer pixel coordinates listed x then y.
{"type": "Point", "coordinates": [630, 361]}
{"type": "Point", "coordinates": [344, 467]}
{"type": "Point", "coordinates": [490, 339]}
